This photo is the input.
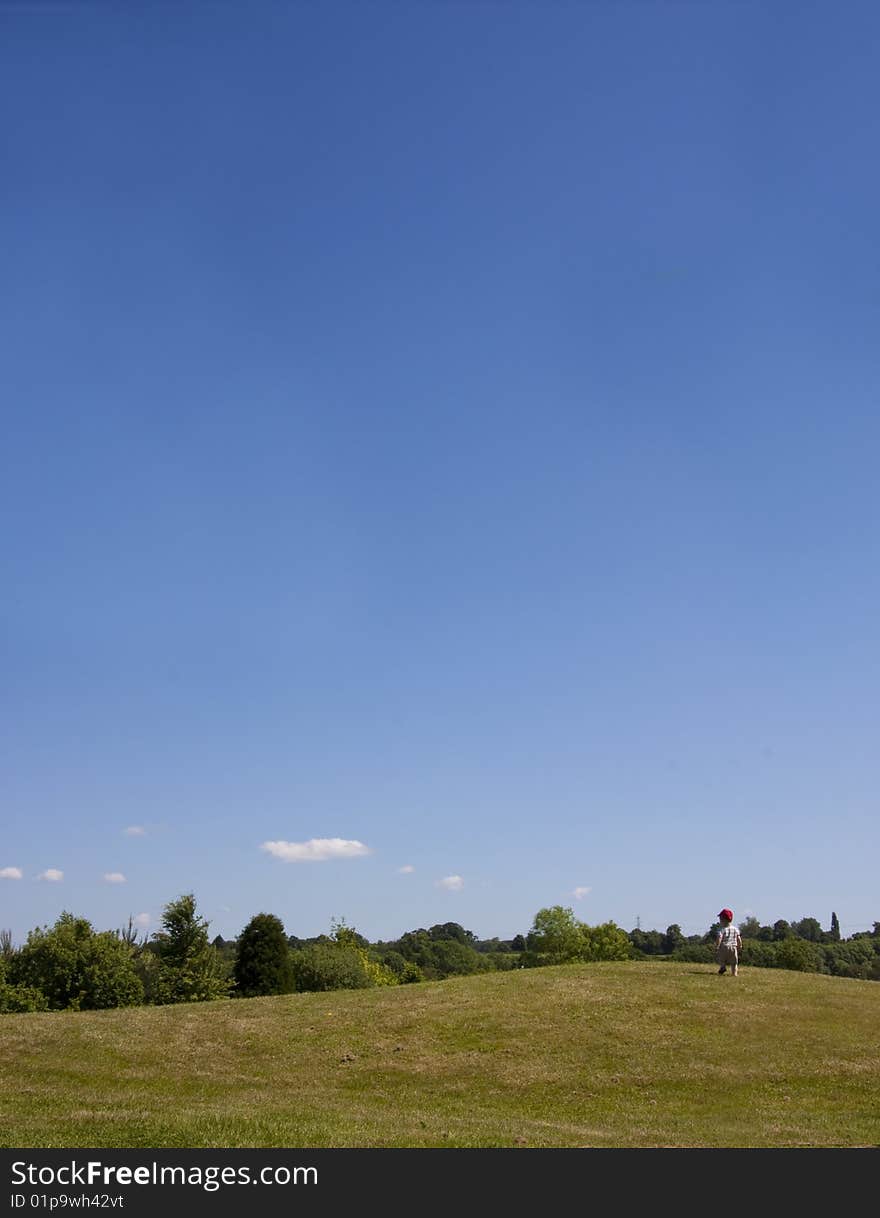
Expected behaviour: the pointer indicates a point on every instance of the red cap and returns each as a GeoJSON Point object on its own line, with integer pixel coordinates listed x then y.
{"type": "Point", "coordinates": [726, 913]}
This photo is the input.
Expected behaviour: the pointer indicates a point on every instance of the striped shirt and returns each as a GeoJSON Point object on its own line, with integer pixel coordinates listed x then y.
{"type": "Point", "coordinates": [728, 936]}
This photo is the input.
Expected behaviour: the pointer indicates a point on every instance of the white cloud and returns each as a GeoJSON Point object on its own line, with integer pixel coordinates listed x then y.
{"type": "Point", "coordinates": [454, 883]}
{"type": "Point", "coordinates": [316, 850]}
{"type": "Point", "coordinates": [135, 831]}
{"type": "Point", "coordinates": [52, 874]}
{"type": "Point", "coordinates": [114, 877]}
{"type": "Point", "coordinates": [408, 869]}
{"type": "Point", "coordinates": [11, 873]}
{"type": "Point", "coordinates": [142, 920]}
{"type": "Point", "coordinates": [580, 893]}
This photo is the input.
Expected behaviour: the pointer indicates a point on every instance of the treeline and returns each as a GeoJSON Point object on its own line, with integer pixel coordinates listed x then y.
{"type": "Point", "coordinates": [802, 945]}
{"type": "Point", "coordinates": [71, 966]}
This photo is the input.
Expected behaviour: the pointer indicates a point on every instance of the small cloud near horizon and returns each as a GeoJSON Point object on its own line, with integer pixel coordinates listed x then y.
{"type": "Point", "coordinates": [142, 920]}
{"type": "Point", "coordinates": [580, 893]}
{"type": "Point", "coordinates": [407, 869]}
{"type": "Point", "coordinates": [11, 873]}
{"type": "Point", "coordinates": [135, 831]}
{"type": "Point", "coordinates": [316, 850]}
{"type": "Point", "coordinates": [452, 883]}
{"type": "Point", "coordinates": [52, 874]}
{"type": "Point", "coordinates": [114, 877]}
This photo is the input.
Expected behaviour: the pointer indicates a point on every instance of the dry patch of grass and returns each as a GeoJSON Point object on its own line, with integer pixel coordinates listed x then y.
{"type": "Point", "coordinates": [599, 1055]}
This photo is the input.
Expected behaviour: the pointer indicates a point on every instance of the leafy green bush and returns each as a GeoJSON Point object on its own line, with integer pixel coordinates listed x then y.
{"type": "Point", "coordinates": [857, 958]}
{"type": "Point", "coordinates": [694, 953]}
{"type": "Point", "coordinates": [329, 966]}
{"type": "Point", "coordinates": [437, 957]}
{"type": "Point", "coordinates": [18, 998]}
{"type": "Point", "coordinates": [759, 954]}
{"type": "Point", "coordinates": [77, 968]}
{"type": "Point", "coordinates": [395, 962]}
{"type": "Point", "coordinates": [605, 942]}
{"type": "Point", "coordinates": [800, 955]}
{"type": "Point", "coordinates": [500, 962]}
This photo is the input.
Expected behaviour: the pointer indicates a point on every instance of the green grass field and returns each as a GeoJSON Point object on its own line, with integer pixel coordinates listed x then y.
{"type": "Point", "coordinates": [627, 1054]}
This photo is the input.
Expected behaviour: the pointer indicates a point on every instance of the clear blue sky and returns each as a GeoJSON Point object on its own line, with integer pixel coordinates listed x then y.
{"type": "Point", "coordinates": [446, 427]}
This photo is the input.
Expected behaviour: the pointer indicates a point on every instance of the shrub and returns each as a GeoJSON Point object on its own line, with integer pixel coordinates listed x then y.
{"type": "Point", "coordinates": [329, 966]}
{"type": "Point", "coordinates": [694, 953]}
{"type": "Point", "coordinates": [759, 954]}
{"type": "Point", "coordinates": [799, 955]}
{"type": "Point", "coordinates": [76, 968]}
{"type": "Point", "coordinates": [606, 942]}
{"type": "Point", "coordinates": [18, 998]}
{"type": "Point", "coordinates": [852, 958]}
{"type": "Point", "coordinates": [395, 962]}
{"type": "Point", "coordinates": [437, 958]}
{"type": "Point", "coordinates": [501, 962]}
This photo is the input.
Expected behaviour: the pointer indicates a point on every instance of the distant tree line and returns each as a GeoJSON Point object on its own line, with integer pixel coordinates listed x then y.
{"type": "Point", "coordinates": [71, 966]}
{"type": "Point", "coordinates": [801, 945]}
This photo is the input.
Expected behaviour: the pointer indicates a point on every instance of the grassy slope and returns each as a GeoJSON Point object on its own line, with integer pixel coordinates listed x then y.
{"type": "Point", "coordinates": [599, 1055]}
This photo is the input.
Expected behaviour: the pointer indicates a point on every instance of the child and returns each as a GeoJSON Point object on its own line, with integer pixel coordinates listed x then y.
{"type": "Point", "coordinates": [728, 944]}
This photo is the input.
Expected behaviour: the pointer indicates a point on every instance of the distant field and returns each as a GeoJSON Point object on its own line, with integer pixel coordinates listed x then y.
{"type": "Point", "coordinates": [589, 1055]}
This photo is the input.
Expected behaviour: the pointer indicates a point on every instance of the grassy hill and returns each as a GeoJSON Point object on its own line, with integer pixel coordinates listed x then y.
{"type": "Point", "coordinates": [594, 1055]}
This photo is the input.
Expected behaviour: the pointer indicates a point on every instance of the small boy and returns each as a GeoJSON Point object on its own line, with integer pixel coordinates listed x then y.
{"type": "Point", "coordinates": [728, 943]}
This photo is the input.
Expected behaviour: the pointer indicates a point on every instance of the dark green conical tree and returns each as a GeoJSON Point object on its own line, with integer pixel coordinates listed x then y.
{"type": "Point", "coordinates": [262, 961]}
{"type": "Point", "coordinates": [834, 933]}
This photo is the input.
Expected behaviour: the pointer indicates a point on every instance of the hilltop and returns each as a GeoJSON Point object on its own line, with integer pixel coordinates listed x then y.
{"type": "Point", "coordinates": [614, 1054]}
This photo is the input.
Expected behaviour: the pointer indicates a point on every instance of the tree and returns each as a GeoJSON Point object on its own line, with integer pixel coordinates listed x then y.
{"type": "Point", "coordinates": [608, 942]}
{"type": "Point", "coordinates": [130, 934]}
{"type": "Point", "coordinates": [557, 934]}
{"type": "Point", "coordinates": [345, 935]}
{"type": "Point", "coordinates": [262, 961]}
{"type": "Point", "coordinates": [646, 942]}
{"type": "Point", "coordinates": [452, 930]}
{"type": "Point", "coordinates": [77, 968]}
{"type": "Point", "coordinates": [673, 939]}
{"type": "Point", "coordinates": [782, 930]}
{"type": "Point", "coordinates": [809, 929]}
{"type": "Point", "coordinates": [188, 968]}
{"type": "Point", "coordinates": [453, 958]}
{"type": "Point", "coordinates": [833, 935]}
{"type": "Point", "coordinates": [750, 928]}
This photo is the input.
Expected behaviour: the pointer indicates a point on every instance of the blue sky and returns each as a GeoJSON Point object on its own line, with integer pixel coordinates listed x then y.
{"type": "Point", "coordinates": [449, 428]}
